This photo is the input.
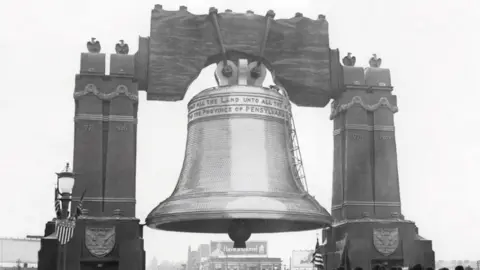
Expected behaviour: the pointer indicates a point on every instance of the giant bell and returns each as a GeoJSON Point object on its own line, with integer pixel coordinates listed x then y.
{"type": "Point", "coordinates": [239, 175]}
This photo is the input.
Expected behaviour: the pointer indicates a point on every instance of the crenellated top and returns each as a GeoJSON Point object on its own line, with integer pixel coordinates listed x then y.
{"type": "Point", "coordinates": [366, 76]}
{"type": "Point", "coordinates": [94, 80]}
{"type": "Point", "coordinates": [367, 87]}
{"type": "Point", "coordinates": [358, 77]}
{"type": "Point", "coordinates": [94, 63]}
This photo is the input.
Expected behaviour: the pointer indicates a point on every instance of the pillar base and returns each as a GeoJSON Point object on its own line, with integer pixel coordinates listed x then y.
{"type": "Point", "coordinates": [367, 249]}
{"type": "Point", "coordinates": [114, 243]}
{"type": "Point", "coordinates": [47, 255]}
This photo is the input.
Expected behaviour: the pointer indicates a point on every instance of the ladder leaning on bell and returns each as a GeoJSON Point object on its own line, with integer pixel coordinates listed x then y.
{"type": "Point", "coordinates": [292, 143]}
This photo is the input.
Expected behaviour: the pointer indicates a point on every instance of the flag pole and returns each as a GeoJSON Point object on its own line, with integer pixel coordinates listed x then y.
{"type": "Point", "coordinates": [65, 256]}
{"type": "Point", "coordinates": [316, 267]}
{"type": "Point", "coordinates": [325, 257]}
{"type": "Point", "coordinates": [59, 255]}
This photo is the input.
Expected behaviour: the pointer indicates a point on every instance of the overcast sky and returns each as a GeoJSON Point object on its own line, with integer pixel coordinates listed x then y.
{"type": "Point", "coordinates": [428, 45]}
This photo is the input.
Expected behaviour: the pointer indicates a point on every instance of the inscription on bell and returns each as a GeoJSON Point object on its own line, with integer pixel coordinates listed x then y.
{"type": "Point", "coordinates": [240, 100]}
{"type": "Point", "coordinates": [245, 105]}
{"type": "Point", "coordinates": [386, 137]}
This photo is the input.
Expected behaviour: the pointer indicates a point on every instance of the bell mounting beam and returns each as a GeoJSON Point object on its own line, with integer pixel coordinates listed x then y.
{"type": "Point", "coordinates": [165, 69]}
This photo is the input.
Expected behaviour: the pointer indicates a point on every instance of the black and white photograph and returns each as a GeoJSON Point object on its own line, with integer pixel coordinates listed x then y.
{"type": "Point", "coordinates": [251, 135]}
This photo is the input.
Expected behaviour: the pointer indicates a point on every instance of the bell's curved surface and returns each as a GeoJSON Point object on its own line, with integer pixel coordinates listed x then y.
{"type": "Point", "coordinates": [238, 167]}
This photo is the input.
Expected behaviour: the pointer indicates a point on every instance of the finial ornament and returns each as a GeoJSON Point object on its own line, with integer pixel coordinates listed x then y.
{"type": "Point", "coordinates": [270, 14]}
{"type": "Point", "coordinates": [121, 47]}
{"type": "Point", "coordinates": [67, 167]}
{"type": "Point", "coordinates": [349, 60]}
{"type": "Point", "coordinates": [94, 46]}
{"type": "Point", "coordinates": [298, 15]}
{"type": "Point", "coordinates": [375, 62]}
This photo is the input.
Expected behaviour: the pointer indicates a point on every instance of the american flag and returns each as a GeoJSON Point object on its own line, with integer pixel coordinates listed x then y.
{"type": "Point", "coordinates": [78, 211]}
{"type": "Point", "coordinates": [58, 205]}
{"type": "Point", "coordinates": [343, 250]}
{"type": "Point", "coordinates": [318, 257]}
{"type": "Point", "coordinates": [64, 229]}
{"type": "Point", "coordinates": [58, 209]}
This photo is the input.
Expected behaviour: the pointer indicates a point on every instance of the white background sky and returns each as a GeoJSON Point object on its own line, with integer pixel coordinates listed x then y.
{"type": "Point", "coordinates": [428, 45]}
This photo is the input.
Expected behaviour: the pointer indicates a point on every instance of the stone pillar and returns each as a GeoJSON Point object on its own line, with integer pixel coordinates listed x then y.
{"type": "Point", "coordinates": [89, 141]}
{"type": "Point", "coordinates": [105, 135]}
{"type": "Point", "coordinates": [107, 235]}
{"type": "Point", "coordinates": [387, 188]}
{"type": "Point", "coordinates": [366, 202]}
{"type": "Point", "coordinates": [122, 137]}
{"type": "Point", "coordinates": [364, 159]}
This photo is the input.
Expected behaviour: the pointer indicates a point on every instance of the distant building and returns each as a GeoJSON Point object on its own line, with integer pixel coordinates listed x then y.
{"type": "Point", "coordinates": [169, 265]}
{"type": "Point", "coordinates": [450, 264]}
{"type": "Point", "coordinates": [220, 255]}
{"type": "Point", "coordinates": [193, 261]}
{"type": "Point", "coordinates": [19, 252]}
{"type": "Point", "coordinates": [204, 250]}
{"type": "Point", "coordinates": [301, 260]}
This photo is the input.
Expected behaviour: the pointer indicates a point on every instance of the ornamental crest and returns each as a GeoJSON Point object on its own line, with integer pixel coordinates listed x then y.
{"type": "Point", "coordinates": [99, 241]}
{"type": "Point", "coordinates": [64, 230]}
{"type": "Point", "coordinates": [386, 240]}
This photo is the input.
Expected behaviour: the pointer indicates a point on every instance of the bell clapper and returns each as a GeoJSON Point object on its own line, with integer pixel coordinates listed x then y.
{"type": "Point", "coordinates": [239, 232]}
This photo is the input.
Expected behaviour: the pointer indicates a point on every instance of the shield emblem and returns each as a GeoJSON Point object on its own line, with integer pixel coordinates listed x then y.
{"type": "Point", "coordinates": [99, 241]}
{"type": "Point", "coordinates": [385, 240]}
{"type": "Point", "coordinates": [64, 229]}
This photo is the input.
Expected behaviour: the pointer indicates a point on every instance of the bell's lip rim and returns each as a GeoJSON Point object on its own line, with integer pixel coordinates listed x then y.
{"type": "Point", "coordinates": [318, 220]}
{"type": "Point", "coordinates": [217, 214]}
